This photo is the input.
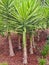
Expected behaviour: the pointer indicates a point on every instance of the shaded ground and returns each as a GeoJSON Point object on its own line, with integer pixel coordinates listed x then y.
{"type": "Point", "coordinates": [17, 59]}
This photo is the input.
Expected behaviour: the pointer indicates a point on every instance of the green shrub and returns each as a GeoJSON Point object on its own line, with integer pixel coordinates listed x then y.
{"type": "Point", "coordinates": [42, 61]}
{"type": "Point", "coordinates": [45, 50]}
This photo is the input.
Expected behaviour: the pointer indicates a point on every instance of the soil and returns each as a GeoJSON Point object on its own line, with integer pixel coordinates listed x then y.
{"type": "Point", "coordinates": [18, 58]}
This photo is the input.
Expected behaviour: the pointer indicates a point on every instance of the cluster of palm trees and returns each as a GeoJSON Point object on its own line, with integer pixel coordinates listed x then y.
{"type": "Point", "coordinates": [22, 17]}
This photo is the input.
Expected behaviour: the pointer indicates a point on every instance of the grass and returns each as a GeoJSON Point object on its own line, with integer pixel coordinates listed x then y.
{"type": "Point", "coordinates": [3, 63]}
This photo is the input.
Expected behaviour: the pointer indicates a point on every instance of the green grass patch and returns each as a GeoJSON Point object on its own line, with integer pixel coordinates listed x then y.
{"type": "Point", "coordinates": [3, 63]}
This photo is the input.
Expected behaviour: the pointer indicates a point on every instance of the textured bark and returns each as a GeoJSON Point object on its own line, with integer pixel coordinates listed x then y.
{"type": "Point", "coordinates": [38, 35]}
{"type": "Point", "coordinates": [10, 47]}
{"type": "Point", "coordinates": [31, 45]}
{"type": "Point", "coordinates": [24, 47]}
{"type": "Point", "coordinates": [33, 41]}
{"type": "Point", "coordinates": [19, 43]}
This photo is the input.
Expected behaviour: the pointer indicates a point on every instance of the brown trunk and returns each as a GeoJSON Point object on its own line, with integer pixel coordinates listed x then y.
{"type": "Point", "coordinates": [19, 43]}
{"type": "Point", "coordinates": [10, 47]}
{"type": "Point", "coordinates": [31, 46]}
{"type": "Point", "coordinates": [33, 42]}
{"type": "Point", "coordinates": [38, 35]}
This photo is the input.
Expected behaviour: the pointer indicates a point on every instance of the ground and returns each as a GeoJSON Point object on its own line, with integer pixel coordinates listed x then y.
{"type": "Point", "coordinates": [18, 59]}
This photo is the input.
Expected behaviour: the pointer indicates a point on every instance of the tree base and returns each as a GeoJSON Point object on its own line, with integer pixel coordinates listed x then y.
{"type": "Point", "coordinates": [24, 61]}
{"type": "Point", "coordinates": [31, 51]}
{"type": "Point", "coordinates": [12, 54]}
{"type": "Point", "coordinates": [19, 47]}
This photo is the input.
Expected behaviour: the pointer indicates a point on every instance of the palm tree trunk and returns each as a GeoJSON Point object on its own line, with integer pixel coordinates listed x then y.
{"type": "Point", "coordinates": [10, 47]}
{"type": "Point", "coordinates": [31, 45]}
{"type": "Point", "coordinates": [38, 35]}
{"type": "Point", "coordinates": [19, 43]}
{"type": "Point", "coordinates": [33, 41]}
{"type": "Point", "coordinates": [24, 47]}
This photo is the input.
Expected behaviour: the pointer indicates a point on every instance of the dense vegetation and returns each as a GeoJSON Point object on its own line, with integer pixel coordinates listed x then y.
{"type": "Point", "coordinates": [22, 17]}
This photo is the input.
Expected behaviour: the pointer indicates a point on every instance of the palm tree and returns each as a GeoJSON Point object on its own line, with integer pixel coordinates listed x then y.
{"type": "Point", "coordinates": [32, 43]}
{"type": "Point", "coordinates": [46, 11]}
{"type": "Point", "coordinates": [28, 14]}
{"type": "Point", "coordinates": [5, 8]}
{"type": "Point", "coordinates": [19, 41]}
{"type": "Point", "coordinates": [25, 14]}
{"type": "Point", "coordinates": [31, 31]}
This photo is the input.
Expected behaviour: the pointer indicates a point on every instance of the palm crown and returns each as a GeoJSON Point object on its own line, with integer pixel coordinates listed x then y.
{"type": "Point", "coordinates": [24, 13]}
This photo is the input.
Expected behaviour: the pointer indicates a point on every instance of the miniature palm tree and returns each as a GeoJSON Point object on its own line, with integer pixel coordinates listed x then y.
{"type": "Point", "coordinates": [5, 8]}
{"type": "Point", "coordinates": [25, 14]}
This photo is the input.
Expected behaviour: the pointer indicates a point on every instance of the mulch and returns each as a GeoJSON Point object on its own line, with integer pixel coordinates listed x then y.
{"type": "Point", "coordinates": [18, 59]}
